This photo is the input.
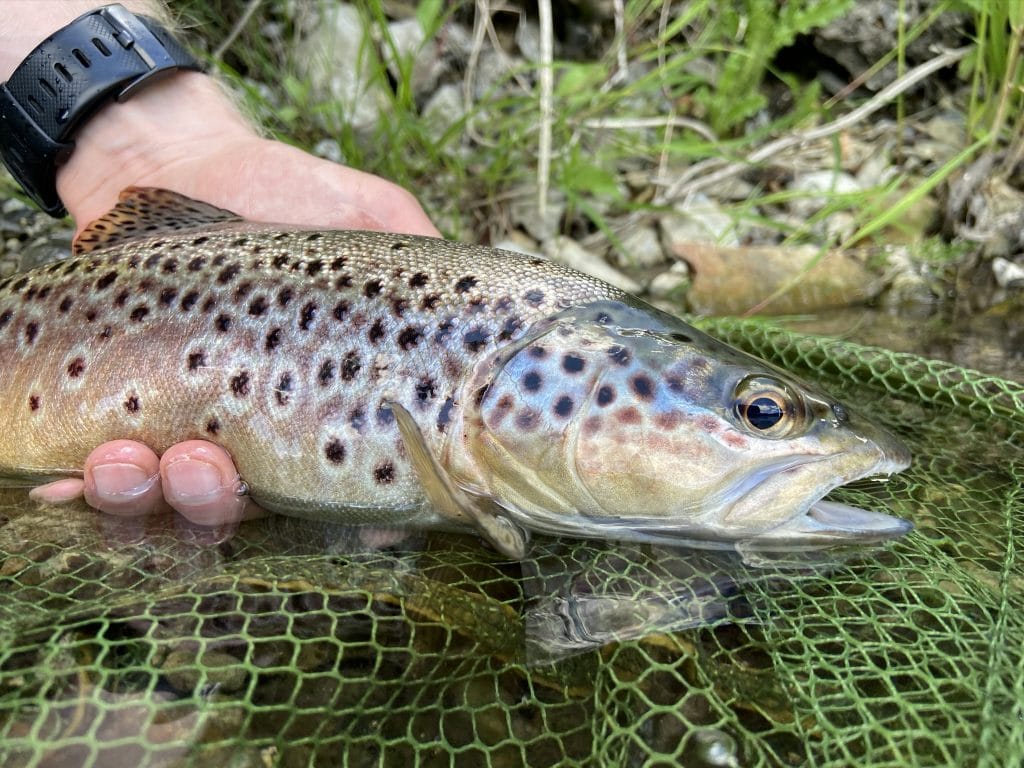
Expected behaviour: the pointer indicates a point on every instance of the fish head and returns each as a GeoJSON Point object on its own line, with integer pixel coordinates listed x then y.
{"type": "Point", "coordinates": [616, 420]}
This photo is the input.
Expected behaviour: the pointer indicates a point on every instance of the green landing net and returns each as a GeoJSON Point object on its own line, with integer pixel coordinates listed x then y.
{"type": "Point", "coordinates": [295, 645]}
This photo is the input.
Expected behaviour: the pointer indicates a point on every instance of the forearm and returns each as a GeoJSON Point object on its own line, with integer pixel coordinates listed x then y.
{"type": "Point", "coordinates": [122, 143]}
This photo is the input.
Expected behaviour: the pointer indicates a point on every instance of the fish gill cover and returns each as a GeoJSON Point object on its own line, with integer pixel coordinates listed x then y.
{"type": "Point", "coordinates": [280, 646]}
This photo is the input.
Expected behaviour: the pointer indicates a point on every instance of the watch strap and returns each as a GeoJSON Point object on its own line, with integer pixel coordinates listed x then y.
{"type": "Point", "coordinates": [108, 53]}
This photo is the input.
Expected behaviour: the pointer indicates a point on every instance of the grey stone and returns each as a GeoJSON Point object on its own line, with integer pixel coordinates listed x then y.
{"type": "Point", "coordinates": [564, 250]}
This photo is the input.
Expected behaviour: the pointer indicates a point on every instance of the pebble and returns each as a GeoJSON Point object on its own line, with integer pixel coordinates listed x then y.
{"type": "Point", "coordinates": [1007, 273]}
{"type": "Point", "coordinates": [443, 110]}
{"type": "Point", "coordinates": [698, 220]}
{"type": "Point", "coordinates": [641, 249]}
{"type": "Point", "coordinates": [566, 251]}
{"type": "Point", "coordinates": [671, 284]}
{"type": "Point", "coordinates": [525, 213]}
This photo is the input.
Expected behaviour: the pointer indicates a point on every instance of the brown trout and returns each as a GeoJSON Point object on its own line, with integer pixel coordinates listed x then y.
{"type": "Point", "coordinates": [386, 379]}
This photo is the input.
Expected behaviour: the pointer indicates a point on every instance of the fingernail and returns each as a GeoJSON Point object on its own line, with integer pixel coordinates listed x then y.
{"type": "Point", "coordinates": [193, 481]}
{"type": "Point", "coordinates": [130, 477]}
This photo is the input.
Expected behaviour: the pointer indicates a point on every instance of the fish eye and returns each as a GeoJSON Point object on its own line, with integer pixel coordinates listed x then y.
{"type": "Point", "coordinates": [768, 407]}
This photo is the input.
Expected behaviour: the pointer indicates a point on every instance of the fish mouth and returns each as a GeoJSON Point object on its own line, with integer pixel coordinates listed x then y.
{"type": "Point", "coordinates": [822, 522]}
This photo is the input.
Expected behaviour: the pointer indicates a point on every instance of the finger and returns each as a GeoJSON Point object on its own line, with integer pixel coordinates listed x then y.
{"type": "Point", "coordinates": [200, 481]}
{"type": "Point", "coordinates": [122, 477]}
{"type": "Point", "coordinates": [59, 491]}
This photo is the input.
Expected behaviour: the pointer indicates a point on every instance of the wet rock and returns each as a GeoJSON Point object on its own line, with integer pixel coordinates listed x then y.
{"type": "Point", "coordinates": [774, 280]}
{"type": "Point", "coordinates": [329, 149]}
{"type": "Point", "coordinates": [568, 252]}
{"type": "Point", "coordinates": [698, 220]}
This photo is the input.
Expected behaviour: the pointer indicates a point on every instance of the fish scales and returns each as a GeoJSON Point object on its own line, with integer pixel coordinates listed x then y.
{"type": "Point", "coordinates": [287, 346]}
{"type": "Point", "coordinates": [390, 379]}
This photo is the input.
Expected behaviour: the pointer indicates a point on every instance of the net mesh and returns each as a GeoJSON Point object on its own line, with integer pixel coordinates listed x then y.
{"type": "Point", "coordinates": [148, 643]}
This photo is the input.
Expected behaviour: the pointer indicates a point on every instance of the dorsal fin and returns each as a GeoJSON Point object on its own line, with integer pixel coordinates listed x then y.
{"type": "Point", "coordinates": [148, 211]}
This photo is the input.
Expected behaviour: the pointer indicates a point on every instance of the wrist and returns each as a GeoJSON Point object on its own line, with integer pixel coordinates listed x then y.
{"type": "Point", "coordinates": [140, 141]}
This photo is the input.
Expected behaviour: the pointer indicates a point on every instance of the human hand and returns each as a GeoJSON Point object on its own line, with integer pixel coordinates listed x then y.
{"type": "Point", "coordinates": [183, 134]}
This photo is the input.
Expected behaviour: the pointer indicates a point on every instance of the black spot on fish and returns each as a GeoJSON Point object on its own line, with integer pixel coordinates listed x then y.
{"type": "Point", "coordinates": [242, 290]}
{"type": "Point", "coordinates": [534, 297]}
{"type": "Point", "coordinates": [384, 473]}
{"type": "Point", "coordinates": [326, 374]}
{"type": "Point", "coordinates": [619, 355]}
{"type": "Point", "coordinates": [350, 366]}
{"type": "Point", "coordinates": [101, 284]}
{"type": "Point", "coordinates": [334, 451]}
{"type": "Point", "coordinates": [90, 315]}
{"type": "Point", "coordinates": [229, 273]}
{"type": "Point", "coordinates": [338, 262]}
{"type": "Point", "coordinates": [258, 306]}
{"type": "Point", "coordinates": [281, 261]}
{"type": "Point", "coordinates": [643, 387]}
{"type": "Point", "coordinates": [196, 264]}
{"type": "Point", "coordinates": [200, 240]}
{"type": "Point", "coordinates": [509, 329]}
{"type": "Point", "coordinates": [170, 266]}
{"type": "Point", "coordinates": [213, 426]}
{"type": "Point", "coordinates": [385, 416]}
{"type": "Point", "coordinates": [398, 306]}
{"type": "Point", "coordinates": [430, 302]}
{"type": "Point", "coordinates": [444, 331]}
{"type": "Point", "coordinates": [371, 288]}
{"type": "Point", "coordinates": [357, 418]}
{"type": "Point", "coordinates": [18, 286]}
{"type": "Point", "coordinates": [132, 404]}
{"type": "Point", "coordinates": [409, 337]}
{"type": "Point", "coordinates": [31, 331]}
{"type": "Point", "coordinates": [399, 246]}
{"type": "Point", "coordinates": [284, 386]}
{"type": "Point", "coordinates": [341, 310]}
{"type": "Point", "coordinates": [426, 389]}
{"type": "Point", "coordinates": [284, 296]}
{"type": "Point", "coordinates": [308, 315]}
{"type": "Point", "coordinates": [343, 281]}
{"type": "Point", "coordinates": [572, 363]}
{"type": "Point", "coordinates": [240, 384]}
{"type": "Point", "coordinates": [602, 318]}
{"type": "Point", "coordinates": [273, 340]}
{"type": "Point", "coordinates": [444, 416]}
{"type": "Point", "coordinates": [189, 300]}
{"type": "Point", "coordinates": [106, 332]}
{"type": "Point", "coordinates": [65, 304]}
{"type": "Point", "coordinates": [537, 352]}
{"type": "Point", "coordinates": [73, 265]}
{"type": "Point", "coordinates": [476, 306]}
{"type": "Point", "coordinates": [312, 236]}
{"type": "Point", "coordinates": [5, 317]}
{"type": "Point", "coordinates": [605, 395]}
{"type": "Point", "coordinates": [75, 367]}
{"type": "Point", "coordinates": [532, 381]}
{"type": "Point", "coordinates": [465, 283]}
{"type": "Point", "coordinates": [139, 313]}
{"type": "Point", "coordinates": [376, 332]}
{"type": "Point", "coordinates": [314, 267]}
{"type": "Point", "coordinates": [167, 296]}
{"type": "Point", "coordinates": [29, 294]}
{"type": "Point", "coordinates": [121, 299]}
{"type": "Point", "coordinates": [418, 280]}
{"type": "Point", "coordinates": [242, 241]}
{"type": "Point", "coordinates": [223, 323]}
{"type": "Point", "coordinates": [196, 360]}
{"type": "Point", "coordinates": [34, 402]}
{"type": "Point", "coordinates": [563, 406]}
{"type": "Point", "coordinates": [475, 339]}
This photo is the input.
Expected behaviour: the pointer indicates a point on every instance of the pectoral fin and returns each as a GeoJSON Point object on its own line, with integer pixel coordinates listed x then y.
{"type": "Point", "coordinates": [451, 501]}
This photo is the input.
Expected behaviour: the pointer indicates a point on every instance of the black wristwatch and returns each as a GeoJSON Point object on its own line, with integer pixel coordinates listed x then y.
{"type": "Point", "coordinates": [106, 53]}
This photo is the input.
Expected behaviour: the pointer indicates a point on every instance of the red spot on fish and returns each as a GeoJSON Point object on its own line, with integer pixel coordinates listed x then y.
{"type": "Point", "coordinates": [75, 367]}
{"type": "Point", "coordinates": [668, 420]}
{"type": "Point", "coordinates": [628, 415]}
{"type": "Point", "coordinates": [591, 425]}
{"type": "Point", "coordinates": [734, 440]}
